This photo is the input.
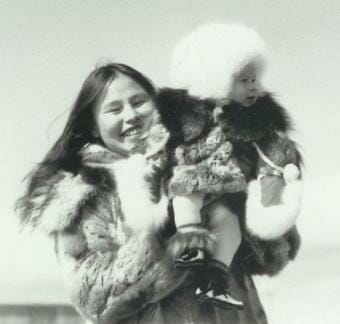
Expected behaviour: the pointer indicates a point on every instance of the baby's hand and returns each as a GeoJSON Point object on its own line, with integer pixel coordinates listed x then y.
{"type": "Point", "coordinates": [291, 173]}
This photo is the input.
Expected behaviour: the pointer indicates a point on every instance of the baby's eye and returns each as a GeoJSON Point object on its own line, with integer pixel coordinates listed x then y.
{"type": "Point", "coordinates": [244, 80]}
{"type": "Point", "coordinates": [253, 80]}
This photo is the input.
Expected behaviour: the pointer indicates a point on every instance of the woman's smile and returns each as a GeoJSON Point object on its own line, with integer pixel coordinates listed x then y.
{"type": "Point", "coordinates": [124, 116]}
{"type": "Point", "coordinates": [132, 131]}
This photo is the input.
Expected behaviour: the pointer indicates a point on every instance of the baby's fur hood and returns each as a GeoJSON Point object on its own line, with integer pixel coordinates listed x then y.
{"type": "Point", "coordinates": [206, 60]}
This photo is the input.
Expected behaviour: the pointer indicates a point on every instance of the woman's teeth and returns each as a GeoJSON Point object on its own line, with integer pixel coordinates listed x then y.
{"type": "Point", "coordinates": [131, 131]}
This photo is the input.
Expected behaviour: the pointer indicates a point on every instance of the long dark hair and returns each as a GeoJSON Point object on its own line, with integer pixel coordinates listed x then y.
{"type": "Point", "coordinates": [78, 131]}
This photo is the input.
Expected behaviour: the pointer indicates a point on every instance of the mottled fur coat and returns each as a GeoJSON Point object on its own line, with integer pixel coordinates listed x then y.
{"type": "Point", "coordinates": [120, 276]}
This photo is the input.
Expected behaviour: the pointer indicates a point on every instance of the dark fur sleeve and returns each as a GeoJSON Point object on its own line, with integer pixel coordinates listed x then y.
{"type": "Point", "coordinates": [184, 116]}
{"type": "Point", "coordinates": [267, 257]}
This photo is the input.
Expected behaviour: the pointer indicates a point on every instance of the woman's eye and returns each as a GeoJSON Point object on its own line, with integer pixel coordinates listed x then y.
{"type": "Point", "coordinates": [114, 109]}
{"type": "Point", "coordinates": [138, 103]}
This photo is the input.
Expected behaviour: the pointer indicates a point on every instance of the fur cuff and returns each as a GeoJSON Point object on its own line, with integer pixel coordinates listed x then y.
{"type": "Point", "coordinates": [273, 221]}
{"type": "Point", "coordinates": [191, 237]}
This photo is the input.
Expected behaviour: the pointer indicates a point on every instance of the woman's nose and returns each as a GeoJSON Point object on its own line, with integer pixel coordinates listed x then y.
{"type": "Point", "coordinates": [130, 114]}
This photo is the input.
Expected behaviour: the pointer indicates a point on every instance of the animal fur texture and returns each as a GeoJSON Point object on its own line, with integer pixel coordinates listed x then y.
{"type": "Point", "coordinates": [138, 207]}
{"type": "Point", "coordinates": [135, 178]}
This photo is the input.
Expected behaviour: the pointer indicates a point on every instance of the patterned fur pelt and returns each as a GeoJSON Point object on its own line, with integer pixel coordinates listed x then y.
{"type": "Point", "coordinates": [199, 154]}
{"type": "Point", "coordinates": [206, 166]}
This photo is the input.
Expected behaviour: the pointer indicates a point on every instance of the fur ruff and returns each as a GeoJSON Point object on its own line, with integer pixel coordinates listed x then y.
{"type": "Point", "coordinates": [57, 204]}
{"type": "Point", "coordinates": [133, 178]}
{"type": "Point", "coordinates": [205, 61]}
{"type": "Point", "coordinates": [249, 124]}
{"type": "Point", "coordinates": [139, 210]}
{"type": "Point", "coordinates": [271, 222]}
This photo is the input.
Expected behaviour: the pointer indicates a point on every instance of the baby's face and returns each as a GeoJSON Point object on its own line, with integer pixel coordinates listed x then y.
{"type": "Point", "coordinates": [245, 88]}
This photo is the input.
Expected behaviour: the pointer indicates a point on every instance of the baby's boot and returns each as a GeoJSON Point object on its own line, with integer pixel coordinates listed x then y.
{"type": "Point", "coordinates": [214, 286]}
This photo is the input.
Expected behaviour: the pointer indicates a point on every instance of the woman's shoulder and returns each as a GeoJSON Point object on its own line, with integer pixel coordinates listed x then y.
{"type": "Point", "coordinates": [57, 202]}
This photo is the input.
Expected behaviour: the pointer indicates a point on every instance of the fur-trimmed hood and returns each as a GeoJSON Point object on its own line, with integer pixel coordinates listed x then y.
{"type": "Point", "coordinates": [206, 60]}
{"type": "Point", "coordinates": [252, 123]}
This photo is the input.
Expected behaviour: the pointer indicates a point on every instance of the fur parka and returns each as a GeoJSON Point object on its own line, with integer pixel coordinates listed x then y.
{"type": "Point", "coordinates": [120, 276]}
{"type": "Point", "coordinates": [244, 136]}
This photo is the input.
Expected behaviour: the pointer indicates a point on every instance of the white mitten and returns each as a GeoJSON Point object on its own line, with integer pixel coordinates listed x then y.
{"type": "Point", "coordinates": [291, 173]}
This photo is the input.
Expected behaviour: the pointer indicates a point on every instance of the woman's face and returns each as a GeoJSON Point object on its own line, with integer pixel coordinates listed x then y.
{"type": "Point", "coordinates": [124, 115]}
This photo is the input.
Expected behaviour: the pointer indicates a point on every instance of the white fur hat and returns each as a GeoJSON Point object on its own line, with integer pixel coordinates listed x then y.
{"type": "Point", "coordinates": [205, 61]}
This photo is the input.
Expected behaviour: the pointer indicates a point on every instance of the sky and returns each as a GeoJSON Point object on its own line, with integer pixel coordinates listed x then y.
{"type": "Point", "coordinates": [49, 47]}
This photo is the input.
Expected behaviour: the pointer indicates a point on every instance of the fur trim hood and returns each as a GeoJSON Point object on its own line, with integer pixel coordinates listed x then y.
{"type": "Point", "coordinates": [249, 124]}
{"type": "Point", "coordinates": [205, 61]}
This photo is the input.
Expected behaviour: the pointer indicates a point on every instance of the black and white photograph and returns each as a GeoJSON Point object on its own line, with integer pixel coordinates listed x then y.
{"type": "Point", "coordinates": [170, 162]}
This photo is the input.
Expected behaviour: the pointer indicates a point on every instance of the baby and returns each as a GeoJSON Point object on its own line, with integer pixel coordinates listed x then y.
{"type": "Point", "coordinates": [226, 132]}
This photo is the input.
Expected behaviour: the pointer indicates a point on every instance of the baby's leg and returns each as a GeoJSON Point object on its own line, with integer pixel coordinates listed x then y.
{"type": "Point", "coordinates": [226, 225]}
{"type": "Point", "coordinates": [187, 209]}
{"type": "Point", "coordinates": [215, 287]}
{"type": "Point", "coordinates": [192, 242]}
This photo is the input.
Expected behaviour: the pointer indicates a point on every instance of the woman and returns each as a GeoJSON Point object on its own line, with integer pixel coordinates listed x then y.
{"type": "Point", "coordinates": [115, 274]}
